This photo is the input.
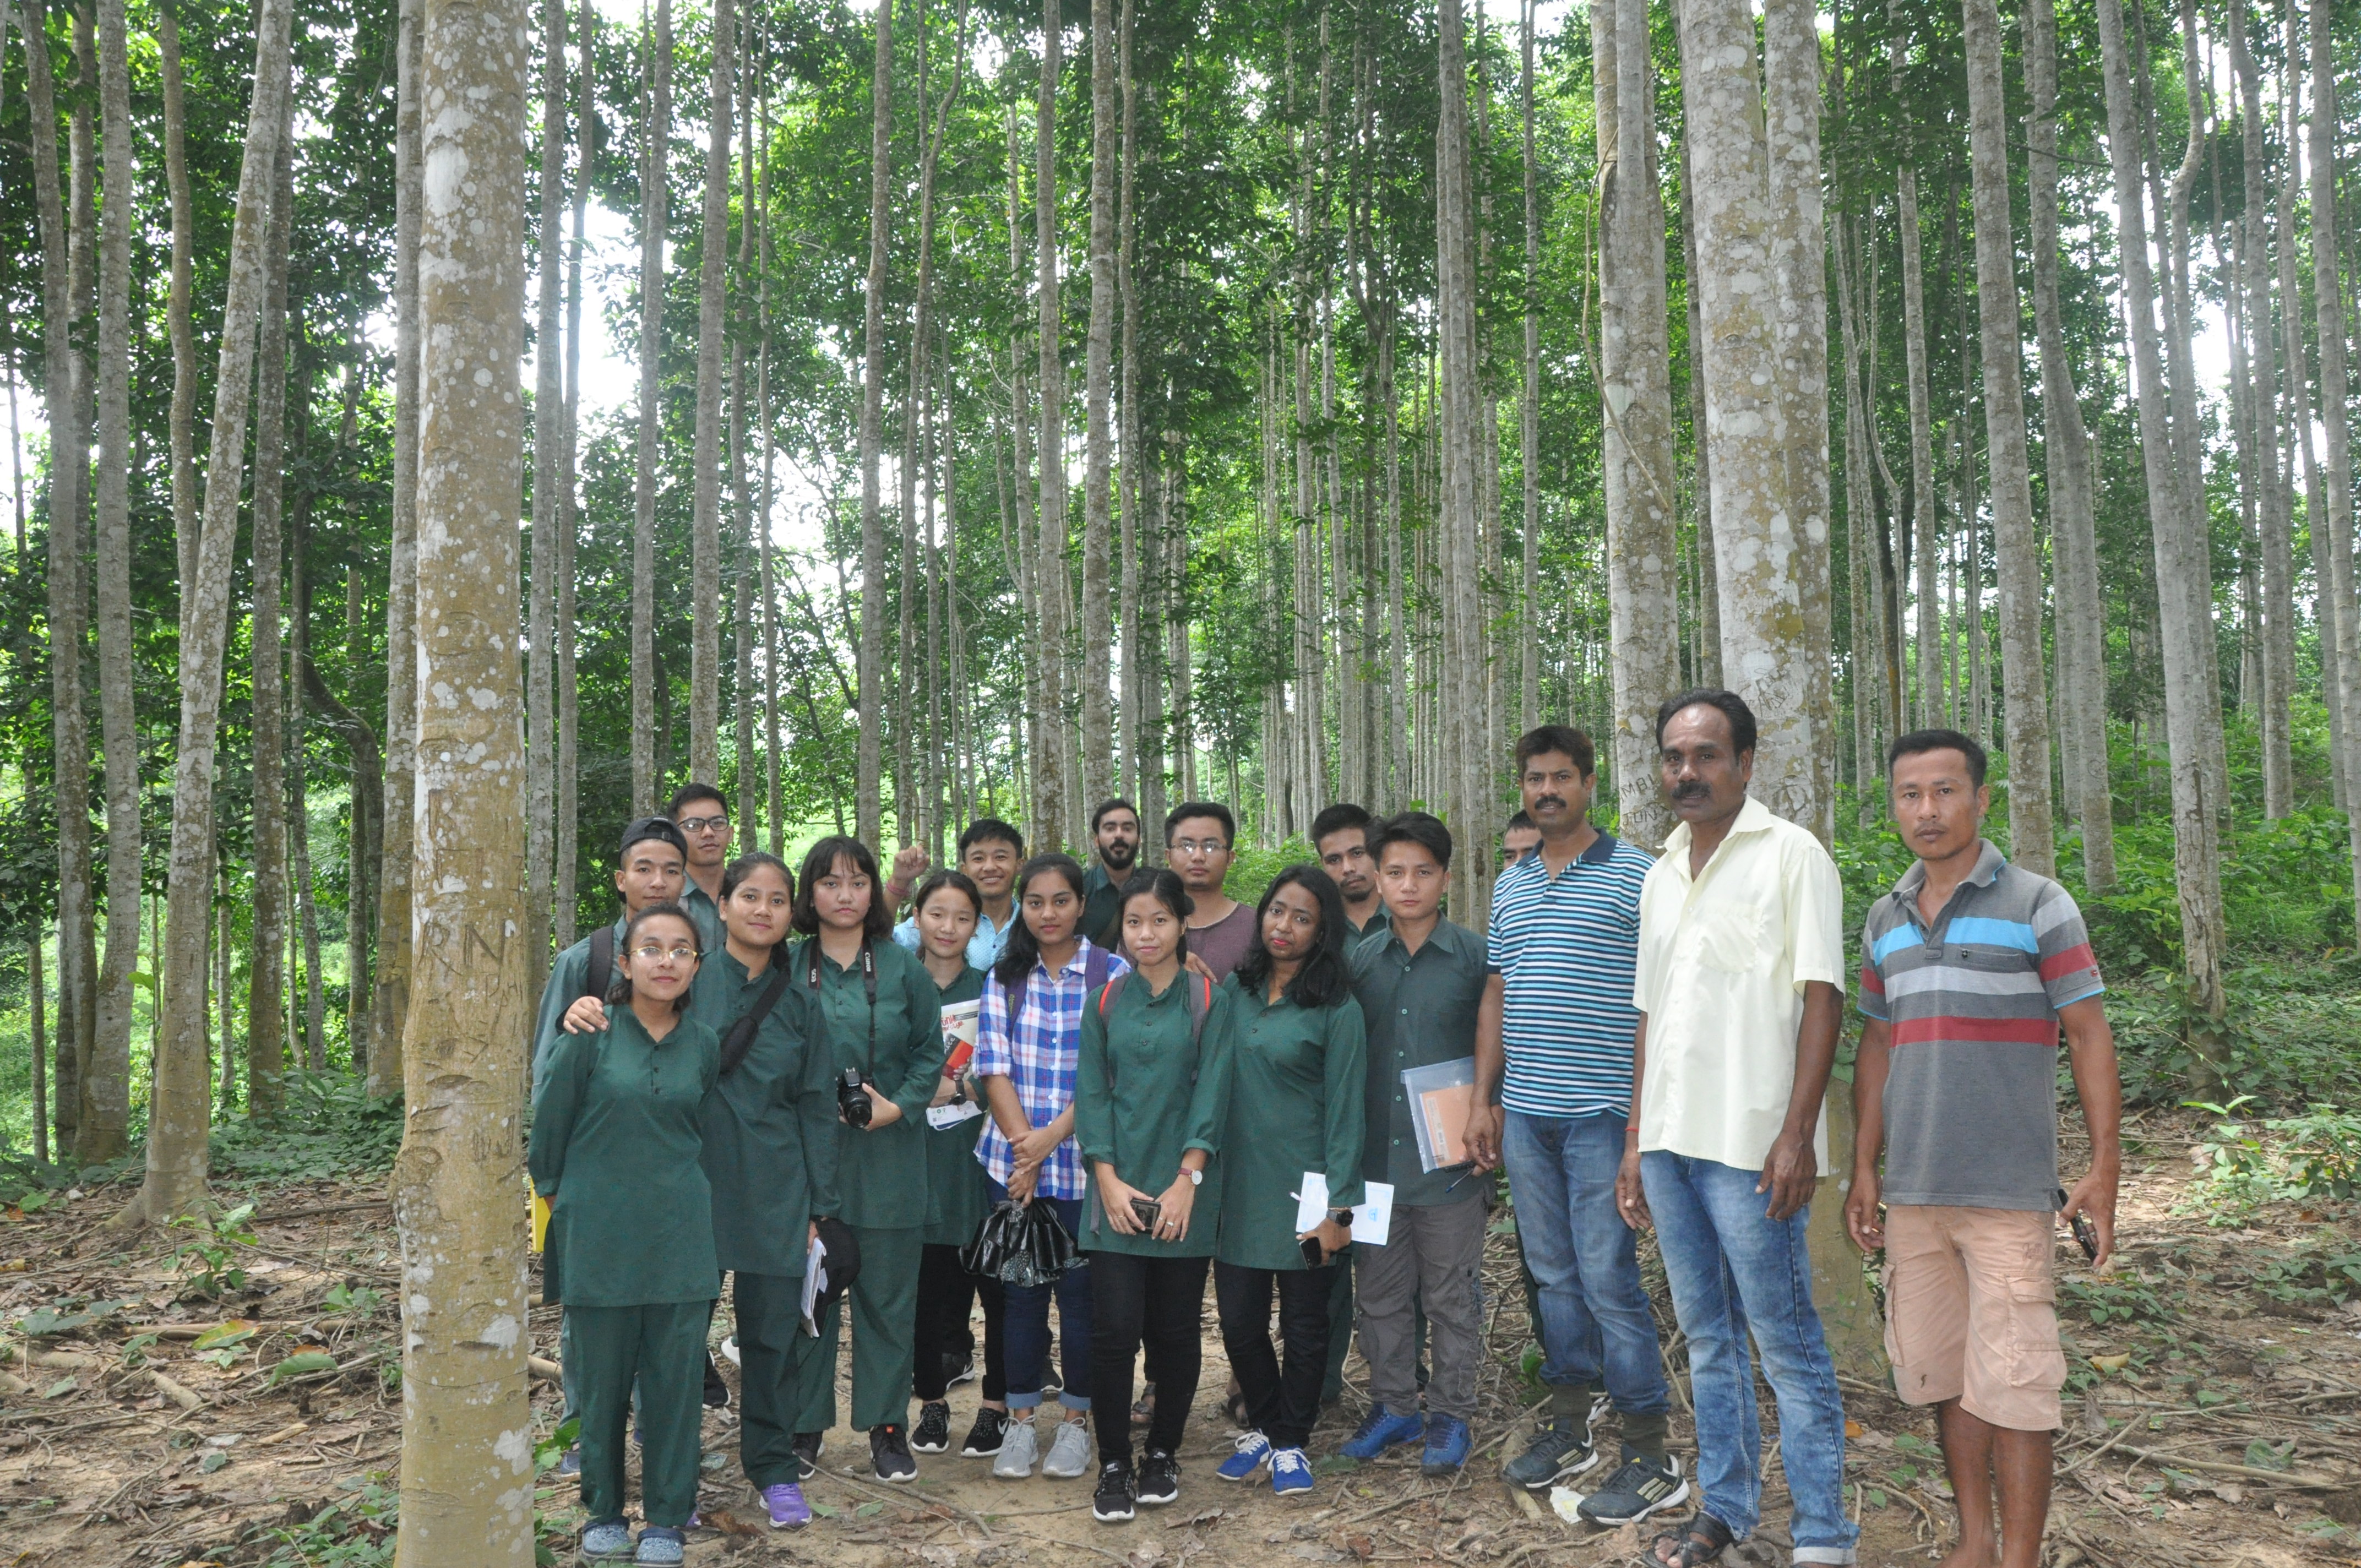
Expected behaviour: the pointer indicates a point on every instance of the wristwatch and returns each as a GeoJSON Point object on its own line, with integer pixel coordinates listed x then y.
{"type": "Point", "coordinates": [1342, 1216]}
{"type": "Point", "coordinates": [1196, 1177]}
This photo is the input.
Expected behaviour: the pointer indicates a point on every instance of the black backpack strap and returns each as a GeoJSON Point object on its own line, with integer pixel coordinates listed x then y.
{"type": "Point", "coordinates": [595, 979]}
{"type": "Point", "coordinates": [740, 1039]}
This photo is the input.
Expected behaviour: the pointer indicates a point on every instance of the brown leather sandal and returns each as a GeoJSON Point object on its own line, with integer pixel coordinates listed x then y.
{"type": "Point", "coordinates": [1694, 1544]}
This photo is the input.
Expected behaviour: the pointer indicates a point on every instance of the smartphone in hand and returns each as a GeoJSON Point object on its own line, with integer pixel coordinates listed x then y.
{"type": "Point", "coordinates": [1148, 1212]}
{"type": "Point", "coordinates": [2085, 1233]}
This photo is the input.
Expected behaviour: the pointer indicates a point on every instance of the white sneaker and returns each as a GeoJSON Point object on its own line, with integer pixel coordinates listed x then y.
{"type": "Point", "coordinates": [1070, 1451]}
{"type": "Point", "coordinates": [1017, 1451]}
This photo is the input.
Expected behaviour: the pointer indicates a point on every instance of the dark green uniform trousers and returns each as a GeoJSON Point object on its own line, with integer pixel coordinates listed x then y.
{"type": "Point", "coordinates": [770, 1322]}
{"type": "Point", "coordinates": [663, 1347]}
{"type": "Point", "coordinates": [884, 1317]}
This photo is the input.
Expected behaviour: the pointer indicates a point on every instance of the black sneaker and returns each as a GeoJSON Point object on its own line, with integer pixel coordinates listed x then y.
{"type": "Point", "coordinates": [1641, 1486]}
{"type": "Point", "coordinates": [958, 1368]}
{"type": "Point", "coordinates": [889, 1454]}
{"type": "Point", "coordinates": [1111, 1503]}
{"type": "Point", "coordinates": [983, 1439]}
{"type": "Point", "coordinates": [933, 1433]}
{"type": "Point", "coordinates": [1159, 1478]}
{"type": "Point", "coordinates": [806, 1446]}
{"type": "Point", "coordinates": [717, 1392]}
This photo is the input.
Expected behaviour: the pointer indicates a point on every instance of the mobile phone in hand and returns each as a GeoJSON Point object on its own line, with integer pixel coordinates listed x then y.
{"type": "Point", "coordinates": [2086, 1234]}
{"type": "Point", "coordinates": [1148, 1212]}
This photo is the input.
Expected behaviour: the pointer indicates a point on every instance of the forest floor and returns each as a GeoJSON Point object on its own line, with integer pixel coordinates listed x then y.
{"type": "Point", "coordinates": [2215, 1417]}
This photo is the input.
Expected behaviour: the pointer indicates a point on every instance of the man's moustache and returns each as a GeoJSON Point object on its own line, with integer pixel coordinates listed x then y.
{"type": "Point", "coordinates": [1693, 790]}
{"type": "Point", "coordinates": [1557, 800]}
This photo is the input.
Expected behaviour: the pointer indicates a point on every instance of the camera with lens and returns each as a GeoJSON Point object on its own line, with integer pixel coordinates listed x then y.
{"type": "Point", "coordinates": [853, 1102]}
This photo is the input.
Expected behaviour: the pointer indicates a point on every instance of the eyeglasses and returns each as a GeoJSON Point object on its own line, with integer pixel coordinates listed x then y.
{"type": "Point", "coordinates": [1200, 847]}
{"type": "Point", "coordinates": [649, 952]}
{"type": "Point", "coordinates": [699, 824]}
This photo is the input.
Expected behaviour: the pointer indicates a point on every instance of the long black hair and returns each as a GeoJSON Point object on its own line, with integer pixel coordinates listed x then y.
{"type": "Point", "coordinates": [619, 994]}
{"type": "Point", "coordinates": [1163, 884]}
{"type": "Point", "coordinates": [1323, 977]}
{"type": "Point", "coordinates": [820, 863]}
{"type": "Point", "coordinates": [1024, 949]}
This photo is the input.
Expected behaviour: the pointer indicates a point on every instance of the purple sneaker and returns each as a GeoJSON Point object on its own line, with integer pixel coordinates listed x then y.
{"type": "Point", "coordinates": [788, 1509]}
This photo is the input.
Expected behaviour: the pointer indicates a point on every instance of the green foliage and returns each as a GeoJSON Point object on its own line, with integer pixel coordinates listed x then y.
{"type": "Point", "coordinates": [355, 1531]}
{"type": "Point", "coordinates": [2242, 1165]}
{"type": "Point", "coordinates": [328, 1128]}
{"type": "Point", "coordinates": [63, 1317]}
{"type": "Point", "coordinates": [207, 1262]}
{"type": "Point", "coordinates": [2120, 1299]}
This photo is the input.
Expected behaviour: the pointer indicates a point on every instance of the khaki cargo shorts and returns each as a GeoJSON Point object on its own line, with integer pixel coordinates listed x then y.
{"type": "Point", "coordinates": [1971, 1312]}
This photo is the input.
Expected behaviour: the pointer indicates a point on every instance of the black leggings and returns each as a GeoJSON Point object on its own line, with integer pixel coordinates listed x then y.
{"type": "Point", "coordinates": [944, 1292]}
{"type": "Point", "coordinates": [1154, 1301]}
{"type": "Point", "coordinates": [1281, 1404]}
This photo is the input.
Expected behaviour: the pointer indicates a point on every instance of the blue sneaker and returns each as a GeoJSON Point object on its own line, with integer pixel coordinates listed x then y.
{"type": "Point", "coordinates": [1254, 1453]}
{"type": "Point", "coordinates": [1448, 1442]}
{"type": "Point", "coordinates": [1290, 1472]}
{"type": "Point", "coordinates": [1382, 1430]}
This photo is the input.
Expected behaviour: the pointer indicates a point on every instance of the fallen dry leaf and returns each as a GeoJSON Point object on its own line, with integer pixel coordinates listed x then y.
{"type": "Point", "coordinates": [727, 1523]}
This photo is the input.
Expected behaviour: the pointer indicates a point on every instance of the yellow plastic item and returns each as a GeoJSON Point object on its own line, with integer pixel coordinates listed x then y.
{"type": "Point", "coordinates": [540, 1220]}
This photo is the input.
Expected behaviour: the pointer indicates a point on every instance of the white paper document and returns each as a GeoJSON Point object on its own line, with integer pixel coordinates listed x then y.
{"type": "Point", "coordinates": [815, 1284]}
{"type": "Point", "coordinates": [1372, 1222]}
{"type": "Point", "coordinates": [951, 1115]}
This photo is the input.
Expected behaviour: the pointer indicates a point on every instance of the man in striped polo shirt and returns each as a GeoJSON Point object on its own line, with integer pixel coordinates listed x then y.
{"type": "Point", "coordinates": [1968, 968]}
{"type": "Point", "coordinates": [1553, 1092]}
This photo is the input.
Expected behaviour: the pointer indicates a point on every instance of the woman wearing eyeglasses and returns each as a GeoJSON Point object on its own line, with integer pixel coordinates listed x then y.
{"type": "Point", "coordinates": [616, 1137]}
{"type": "Point", "coordinates": [877, 1008]}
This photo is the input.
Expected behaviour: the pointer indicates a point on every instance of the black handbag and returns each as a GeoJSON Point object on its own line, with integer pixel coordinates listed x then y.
{"type": "Point", "coordinates": [1022, 1244]}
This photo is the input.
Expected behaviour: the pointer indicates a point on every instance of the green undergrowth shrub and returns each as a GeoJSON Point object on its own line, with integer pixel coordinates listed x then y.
{"type": "Point", "coordinates": [328, 1128]}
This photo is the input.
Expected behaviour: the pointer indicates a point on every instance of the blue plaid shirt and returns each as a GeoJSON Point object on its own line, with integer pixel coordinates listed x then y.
{"type": "Point", "coordinates": [1037, 1051]}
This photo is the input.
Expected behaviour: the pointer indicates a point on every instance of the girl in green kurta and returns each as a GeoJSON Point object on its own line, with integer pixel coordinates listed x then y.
{"type": "Point", "coordinates": [770, 1152]}
{"type": "Point", "coordinates": [615, 1138]}
{"type": "Point", "coordinates": [1151, 1095]}
{"type": "Point", "coordinates": [878, 1009]}
{"type": "Point", "coordinates": [948, 906]}
{"type": "Point", "coordinates": [1298, 1059]}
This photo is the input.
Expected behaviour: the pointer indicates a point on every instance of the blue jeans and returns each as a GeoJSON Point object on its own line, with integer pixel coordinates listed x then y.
{"type": "Point", "coordinates": [1731, 1269]}
{"type": "Point", "coordinates": [1027, 1320]}
{"type": "Point", "coordinates": [1596, 1326]}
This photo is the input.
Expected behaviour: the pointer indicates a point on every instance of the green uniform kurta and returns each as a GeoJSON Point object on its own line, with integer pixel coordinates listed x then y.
{"type": "Point", "coordinates": [956, 1200]}
{"type": "Point", "coordinates": [1102, 919]}
{"type": "Point", "coordinates": [616, 1139]}
{"type": "Point", "coordinates": [1296, 1104]}
{"type": "Point", "coordinates": [1420, 1009]}
{"type": "Point", "coordinates": [1145, 1094]}
{"type": "Point", "coordinates": [897, 1042]}
{"type": "Point", "coordinates": [770, 1152]}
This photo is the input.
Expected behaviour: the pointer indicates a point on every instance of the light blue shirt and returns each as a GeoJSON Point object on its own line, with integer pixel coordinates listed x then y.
{"type": "Point", "coordinates": [983, 948]}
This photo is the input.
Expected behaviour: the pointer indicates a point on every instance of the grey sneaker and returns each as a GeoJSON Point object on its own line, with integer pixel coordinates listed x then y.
{"type": "Point", "coordinates": [1018, 1449]}
{"type": "Point", "coordinates": [1559, 1448]}
{"type": "Point", "coordinates": [1070, 1451]}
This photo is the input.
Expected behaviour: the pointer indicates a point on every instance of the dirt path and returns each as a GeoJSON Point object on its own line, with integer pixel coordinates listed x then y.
{"type": "Point", "coordinates": [2229, 1432]}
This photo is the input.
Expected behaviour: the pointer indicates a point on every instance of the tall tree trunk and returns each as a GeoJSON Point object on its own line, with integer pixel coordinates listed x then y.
{"type": "Point", "coordinates": [1791, 75]}
{"type": "Point", "coordinates": [1050, 797]}
{"type": "Point", "coordinates": [2187, 641]}
{"type": "Point", "coordinates": [2336, 468]}
{"type": "Point", "coordinates": [2315, 503]}
{"type": "Point", "coordinates": [1098, 471]}
{"type": "Point", "coordinates": [868, 806]}
{"type": "Point", "coordinates": [106, 1082]}
{"type": "Point", "coordinates": [177, 300]}
{"type": "Point", "coordinates": [1708, 671]}
{"type": "Point", "coordinates": [1458, 521]}
{"type": "Point", "coordinates": [548, 444]}
{"type": "Point", "coordinates": [2080, 629]}
{"type": "Point", "coordinates": [2277, 649]}
{"type": "Point", "coordinates": [265, 1044]}
{"type": "Point", "coordinates": [569, 702]}
{"type": "Point", "coordinates": [391, 994]}
{"type": "Point", "coordinates": [1757, 529]}
{"type": "Point", "coordinates": [1922, 432]}
{"type": "Point", "coordinates": [1136, 640]}
{"type": "Point", "coordinates": [654, 185]}
{"type": "Point", "coordinates": [1529, 451]}
{"type": "Point", "coordinates": [1635, 385]}
{"type": "Point", "coordinates": [301, 890]}
{"type": "Point", "coordinates": [2032, 838]}
{"type": "Point", "coordinates": [36, 989]}
{"type": "Point", "coordinates": [712, 330]}
{"type": "Point", "coordinates": [68, 598]}
{"type": "Point", "coordinates": [181, 1103]}
{"type": "Point", "coordinates": [750, 780]}
{"type": "Point", "coordinates": [466, 1452]}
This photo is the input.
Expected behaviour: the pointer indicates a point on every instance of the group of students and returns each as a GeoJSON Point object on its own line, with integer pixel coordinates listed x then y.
{"type": "Point", "coordinates": [1164, 1068]}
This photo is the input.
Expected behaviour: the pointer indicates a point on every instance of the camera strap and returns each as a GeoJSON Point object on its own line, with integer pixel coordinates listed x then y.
{"type": "Point", "coordinates": [868, 984]}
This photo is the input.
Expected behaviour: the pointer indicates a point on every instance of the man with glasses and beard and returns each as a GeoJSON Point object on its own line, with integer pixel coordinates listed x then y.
{"type": "Point", "coordinates": [1552, 1095]}
{"type": "Point", "coordinates": [1115, 854]}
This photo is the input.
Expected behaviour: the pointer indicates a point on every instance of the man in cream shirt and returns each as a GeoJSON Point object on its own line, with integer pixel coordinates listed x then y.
{"type": "Point", "coordinates": [1739, 988]}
